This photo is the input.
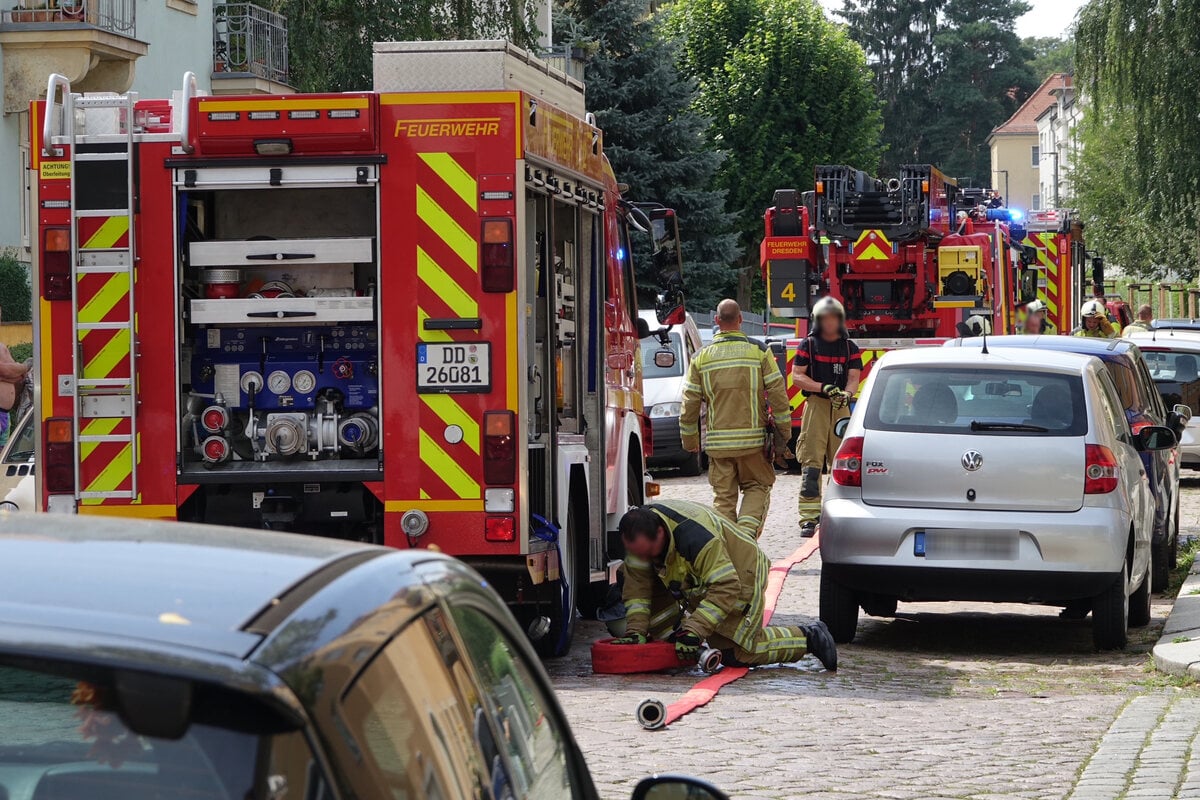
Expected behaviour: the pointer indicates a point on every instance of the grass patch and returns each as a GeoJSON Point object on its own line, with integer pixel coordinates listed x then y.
{"type": "Point", "coordinates": [1181, 640]}
{"type": "Point", "coordinates": [1188, 550]}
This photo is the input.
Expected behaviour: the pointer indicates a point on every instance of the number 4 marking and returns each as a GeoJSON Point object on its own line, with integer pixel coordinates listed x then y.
{"type": "Point", "coordinates": [788, 292]}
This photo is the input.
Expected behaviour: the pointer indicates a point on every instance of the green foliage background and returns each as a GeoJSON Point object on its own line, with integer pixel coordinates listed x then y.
{"type": "Point", "coordinates": [15, 297]}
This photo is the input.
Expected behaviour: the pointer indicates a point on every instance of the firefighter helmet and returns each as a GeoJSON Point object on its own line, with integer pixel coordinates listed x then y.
{"type": "Point", "coordinates": [1093, 308]}
{"type": "Point", "coordinates": [826, 305]}
{"type": "Point", "coordinates": [1035, 307]}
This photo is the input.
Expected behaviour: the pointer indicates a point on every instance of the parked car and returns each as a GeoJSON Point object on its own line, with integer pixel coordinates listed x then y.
{"type": "Point", "coordinates": [1173, 358]}
{"type": "Point", "coordinates": [1177, 324]}
{"type": "Point", "coordinates": [17, 466]}
{"type": "Point", "coordinates": [663, 393]}
{"type": "Point", "coordinates": [139, 660]}
{"type": "Point", "coordinates": [1005, 476]}
{"type": "Point", "coordinates": [1143, 406]}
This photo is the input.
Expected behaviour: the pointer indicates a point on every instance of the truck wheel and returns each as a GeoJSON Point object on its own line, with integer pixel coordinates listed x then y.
{"type": "Point", "coordinates": [561, 608]}
{"type": "Point", "coordinates": [839, 609]}
{"type": "Point", "coordinates": [635, 491]}
{"type": "Point", "coordinates": [691, 466]}
{"type": "Point", "coordinates": [1110, 614]}
{"type": "Point", "coordinates": [1139, 602]}
{"type": "Point", "coordinates": [1160, 565]}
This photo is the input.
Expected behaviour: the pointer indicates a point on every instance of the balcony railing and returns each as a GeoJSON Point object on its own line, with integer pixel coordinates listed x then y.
{"type": "Point", "coordinates": [114, 16]}
{"type": "Point", "coordinates": [249, 39]}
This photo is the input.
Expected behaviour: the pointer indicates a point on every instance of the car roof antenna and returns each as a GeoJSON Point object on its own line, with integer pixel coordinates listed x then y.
{"type": "Point", "coordinates": [985, 350]}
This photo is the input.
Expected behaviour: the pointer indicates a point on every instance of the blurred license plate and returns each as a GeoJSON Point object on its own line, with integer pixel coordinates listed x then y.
{"type": "Point", "coordinates": [954, 543]}
{"type": "Point", "coordinates": [454, 368]}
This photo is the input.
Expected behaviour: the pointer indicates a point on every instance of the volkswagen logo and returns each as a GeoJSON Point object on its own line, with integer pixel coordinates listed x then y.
{"type": "Point", "coordinates": [972, 460]}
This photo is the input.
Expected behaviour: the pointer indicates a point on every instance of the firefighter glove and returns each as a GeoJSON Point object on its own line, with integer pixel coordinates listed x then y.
{"type": "Point", "coordinates": [633, 638]}
{"type": "Point", "coordinates": [687, 646]}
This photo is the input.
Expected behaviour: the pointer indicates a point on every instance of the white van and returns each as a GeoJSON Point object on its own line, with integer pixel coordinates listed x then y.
{"type": "Point", "coordinates": [663, 389]}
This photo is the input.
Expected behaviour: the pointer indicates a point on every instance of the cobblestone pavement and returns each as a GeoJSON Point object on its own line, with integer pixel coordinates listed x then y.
{"type": "Point", "coordinates": [946, 701]}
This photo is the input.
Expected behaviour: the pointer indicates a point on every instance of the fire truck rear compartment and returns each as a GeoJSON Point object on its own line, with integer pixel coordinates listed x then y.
{"type": "Point", "coordinates": [279, 365]}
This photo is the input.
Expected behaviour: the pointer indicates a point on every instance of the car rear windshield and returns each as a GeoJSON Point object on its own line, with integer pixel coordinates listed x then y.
{"type": "Point", "coordinates": [1176, 375]}
{"type": "Point", "coordinates": [989, 402]}
{"type": "Point", "coordinates": [61, 738]}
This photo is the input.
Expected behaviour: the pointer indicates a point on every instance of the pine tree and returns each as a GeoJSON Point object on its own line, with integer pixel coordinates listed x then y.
{"type": "Point", "coordinates": [654, 138]}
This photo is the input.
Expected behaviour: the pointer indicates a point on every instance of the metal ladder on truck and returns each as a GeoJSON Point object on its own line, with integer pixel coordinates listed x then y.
{"type": "Point", "coordinates": [103, 383]}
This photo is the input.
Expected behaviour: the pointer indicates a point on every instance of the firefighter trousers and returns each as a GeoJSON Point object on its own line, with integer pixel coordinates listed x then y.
{"type": "Point", "coordinates": [746, 472]}
{"type": "Point", "coordinates": [772, 644]}
{"type": "Point", "coordinates": [818, 444]}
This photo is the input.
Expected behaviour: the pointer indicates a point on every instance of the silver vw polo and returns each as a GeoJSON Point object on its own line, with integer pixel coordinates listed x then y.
{"type": "Point", "coordinates": [1009, 476]}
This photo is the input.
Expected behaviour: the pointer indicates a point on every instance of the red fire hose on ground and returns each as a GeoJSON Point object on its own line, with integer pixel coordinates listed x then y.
{"type": "Point", "coordinates": [658, 656]}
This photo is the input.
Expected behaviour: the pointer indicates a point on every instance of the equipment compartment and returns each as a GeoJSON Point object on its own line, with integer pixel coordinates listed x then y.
{"type": "Point", "coordinates": [289, 310]}
{"type": "Point", "coordinates": [292, 252]}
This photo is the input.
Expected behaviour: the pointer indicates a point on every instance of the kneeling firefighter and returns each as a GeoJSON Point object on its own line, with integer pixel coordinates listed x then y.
{"type": "Point", "coordinates": [827, 368]}
{"type": "Point", "coordinates": [695, 576]}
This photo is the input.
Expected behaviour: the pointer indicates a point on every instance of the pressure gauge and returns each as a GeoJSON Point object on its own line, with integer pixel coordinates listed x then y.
{"type": "Point", "coordinates": [304, 382]}
{"type": "Point", "coordinates": [279, 382]}
{"type": "Point", "coordinates": [252, 382]}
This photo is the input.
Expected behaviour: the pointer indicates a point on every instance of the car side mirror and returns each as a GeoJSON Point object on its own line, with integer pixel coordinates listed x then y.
{"type": "Point", "coordinates": [643, 328]}
{"type": "Point", "coordinates": [664, 359]}
{"type": "Point", "coordinates": [1184, 412]}
{"type": "Point", "coordinates": [676, 787]}
{"type": "Point", "coordinates": [1155, 437]}
{"type": "Point", "coordinates": [839, 427]}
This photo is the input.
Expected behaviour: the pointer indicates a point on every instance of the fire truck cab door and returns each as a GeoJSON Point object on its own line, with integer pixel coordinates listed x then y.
{"type": "Point", "coordinates": [668, 266]}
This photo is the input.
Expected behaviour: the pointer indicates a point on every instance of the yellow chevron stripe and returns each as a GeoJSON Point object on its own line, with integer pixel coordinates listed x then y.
{"type": "Point", "coordinates": [448, 229]}
{"type": "Point", "coordinates": [116, 471]}
{"type": "Point", "coordinates": [444, 286]}
{"type": "Point", "coordinates": [1050, 241]}
{"type": "Point", "coordinates": [429, 336]}
{"type": "Point", "coordinates": [457, 178]}
{"type": "Point", "coordinates": [879, 238]}
{"type": "Point", "coordinates": [448, 469]}
{"type": "Point", "coordinates": [107, 235]}
{"type": "Point", "coordinates": [425, 504]}
{"type": "Point", "coordinates": [114, 290]}
{"type": "Point", "coordinates": [96, 427]}
{"type": "Point", "coordinates": [130, 510]}
{"type": "Point", "coordinates": [114, 351]}
{"type": "Point", "coordinates": [452, 413]}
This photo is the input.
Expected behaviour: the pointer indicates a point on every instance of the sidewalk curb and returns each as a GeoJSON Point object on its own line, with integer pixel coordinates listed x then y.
{"type": "Point", "coordinates": [1178, 649]}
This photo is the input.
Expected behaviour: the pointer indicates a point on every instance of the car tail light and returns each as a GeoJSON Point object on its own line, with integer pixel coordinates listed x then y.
{"type": "Point", "coordinates": [59, 472]}
{"type": "Point", "coordinates": [56, 264]}
{"type": "Point", "coordinates": [1100, 472]}
{"type": "Point", "coordinates": [500, 529]}
{"type": "Point", "coordinates": [847, 464]}
{"type": "Point", "coordinates": [496, 256]}
{"type": "Point", "coordinates": [499, 447]}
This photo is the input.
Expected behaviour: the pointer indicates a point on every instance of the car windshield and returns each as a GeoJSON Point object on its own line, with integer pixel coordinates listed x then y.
{"type": "Point", "coordinates": [930, 399]}
{"type": "Point", "coordinates": [20, 446]}
{"type": "Point", "coordinates": [651, 346]}
{"type": "Point", "coordinates": [1176, 375]}
{"type": "Point", "coordinates": [60, 738]}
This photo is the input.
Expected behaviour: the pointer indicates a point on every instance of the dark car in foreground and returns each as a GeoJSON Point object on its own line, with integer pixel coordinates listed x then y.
{"type": "Point", "coordinates": [1143, 407]}
{"type": "Point", "coordinates": [144, 660]}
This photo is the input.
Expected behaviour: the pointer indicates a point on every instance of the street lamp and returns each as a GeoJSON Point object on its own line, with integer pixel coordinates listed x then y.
{"type": "Point", "coordinates": [1005, 184]}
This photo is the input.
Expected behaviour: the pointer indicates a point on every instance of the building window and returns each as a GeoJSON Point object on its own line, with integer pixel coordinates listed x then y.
{"type": "Point", "coordinates": [1035, 156]}
{"type": "Point", "coordinates": [1035, 203]}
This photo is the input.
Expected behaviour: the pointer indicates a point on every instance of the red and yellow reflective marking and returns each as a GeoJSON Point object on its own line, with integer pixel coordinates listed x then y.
{"type": "Point", "coordinates": [109, 233]}
{"type": "Point", "coordinates": [106, 466]}
{"type": "Point", "coordinates": [1046, 247]}
{"type": "Point", "coordinates": [872, 245]}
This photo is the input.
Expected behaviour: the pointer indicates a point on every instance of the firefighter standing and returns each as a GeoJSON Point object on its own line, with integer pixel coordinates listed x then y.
{"type": "Point", "coordinates": [732, 376]}
{"type": "Point", "coordinates": [1095, 322]}
{"type": "Point", "coordinates": [1036, 323]}
{"type": "Point", "coordinates": [826, 369]}
{"type": "Point", "coordinates": [1145, 318]}
{"type": "Point", "coordinates": [693, 575]}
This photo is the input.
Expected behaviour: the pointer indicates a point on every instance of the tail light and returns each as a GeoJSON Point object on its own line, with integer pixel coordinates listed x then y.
{"type": "Point", "coordinates": [497, 257]}
{"type": "Point", "coordinates": [500, 529]}
{"type": "Point", "coordinates": [59, 470]}
{"type": "Point", "coordinates": [1100, 473]}
{"type": "Point", "coordinates": [499, 447]}
{"type": "Point", "coordinates": [847, 464]}
{"type": "Point", "coordinates": [56, 264]}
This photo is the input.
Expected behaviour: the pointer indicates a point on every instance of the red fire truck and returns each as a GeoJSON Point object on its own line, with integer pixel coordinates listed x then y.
{"type": "Point", "coordinates": [1057, 258]}
{"type": "Point", "coordinates": [913, 258]}
{"type": "Point", "coordinates": [406, 316]}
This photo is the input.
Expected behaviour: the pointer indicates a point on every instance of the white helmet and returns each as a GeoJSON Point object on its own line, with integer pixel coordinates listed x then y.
{"type": "Point", "coordinates": [979, 325]}
{"type": "Point", "coordinates": [826, 305]}
{"type": "Point", "coordinates": [1093, 308]}
{"type": "Point", "coordinates": [1035, 307]}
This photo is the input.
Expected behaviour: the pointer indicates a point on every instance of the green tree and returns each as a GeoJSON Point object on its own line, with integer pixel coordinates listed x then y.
{"type": "Point", "coordinates": [15, 297]}
{"type": "Point", "coordinates": [654, 137]}
{"type": "Point", "coordinates": [786, 90]}
{"type": "Point", "coordinates": [1138, 73]}
{"type": "Point", "coordinates": [1051, 54]}
{"type": "Point", "coordinates": [946, 78]}
{"type": "Point", "coordinates": [330, 41]}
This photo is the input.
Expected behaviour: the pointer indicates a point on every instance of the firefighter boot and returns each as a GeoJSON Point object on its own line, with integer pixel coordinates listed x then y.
{"type": "Point", "coordinates": [820, 643]}
{"type": "Point", "coordinates": [810, 500]}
